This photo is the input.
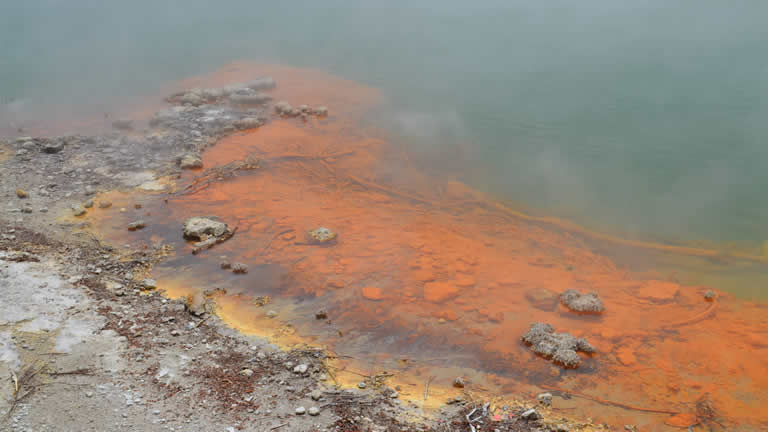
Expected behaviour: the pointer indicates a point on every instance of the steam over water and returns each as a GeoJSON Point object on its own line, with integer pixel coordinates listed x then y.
{"type": "Point", "coordinates": [644, 118]}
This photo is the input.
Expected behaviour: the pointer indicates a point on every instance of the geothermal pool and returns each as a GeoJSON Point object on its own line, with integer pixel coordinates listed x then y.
{"type": "Point", "coordinates": [431, 279]}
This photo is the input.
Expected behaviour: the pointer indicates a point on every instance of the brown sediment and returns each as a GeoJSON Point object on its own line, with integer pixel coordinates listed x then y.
{"type": "Point", "coordinates": [427, 268]}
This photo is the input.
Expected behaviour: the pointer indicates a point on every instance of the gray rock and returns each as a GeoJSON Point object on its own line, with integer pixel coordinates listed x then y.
{"type": "Point", "coordinates": [313, 411]}
{"type": "Point", "coordinates": [530, 414]}
{"type": "Point", "coordinates": [133, 226]}
{"type": "Point", "coordinates": [545, 399]}
{"type": "Point", "coordinates": [560, 347]}
{"type": "Point", "coordinates": [200, 227]}
{"type": "Point", "coordinates": [301, 368]}
{"type": "Point", "coordinates": [78, 210]}
{"type": "Point", "coordinates": [301, 410]}
{"type": "Point", "coordinates": [149, 284]}
{"type": "Point", "coordinates": [362, 385]}
{"type": "Point", "coordinates": [239, 268]}
{"type": "Point", "coordinates": [459, 382]}
{"type": "Point", "coordinates": [583, 303]}
{"type": "Point", "coordinates": [246, 372]}
{"type": "Point", "coordinates": [53, 146]}
{"type": "Point", "coordinates": [283, 108]}
{"type": "Point", "coordinates": [190, 161]}
{"type": "Point", "coordinates": [88, 204]}
{"type": "Point", "coordinates": [321, 111]}
{"type": "Point", "coordinates": [316, 395]}
{"type": "Point", "coordinates": [248, 123]}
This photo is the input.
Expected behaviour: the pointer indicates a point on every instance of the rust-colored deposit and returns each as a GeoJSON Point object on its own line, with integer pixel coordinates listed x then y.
{"type": "Point", "coordinates": [427, 274]}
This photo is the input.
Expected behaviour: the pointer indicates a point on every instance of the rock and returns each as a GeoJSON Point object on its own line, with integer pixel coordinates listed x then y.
{"type": "Point", "coordinates": [283, 108]}
{"type": "Point", "coordinates": [123, 124]}
{"type": "Point", "coordinates": [175, 332]}
{"type": "Point", "coordinates": [248, 123]}
{"type": "Point", "coordinates": [89, 394]}
{"type": "Point", "coordinates": [321, 235]}
{"type": "Point", "coordinates": [560, 347]}
{"type": "Point", "coordinates": [459, 382]}
{"type": "Point", "coordinates": [249, 98]}
{"type": "Point", "coordinates": [105, 204]}
{"type": "Point", "coordinates": [301, 410]}
{"type": "Point", "coordinates": [303, 108]}
{"type": "Point", "coordinates": [316, 395]}
{"type": "Point", "coordinates": [545, 399]}
{"type": "Point", "coordinates": [246, 372]}
{"type": "Point", "coordinates": [78, 210]}
{"type": "Point", "coordinates": [21, 193]}
{"type": "Point", "coordinates": [190, 161]}
{"type": "Point", "coordinates": [301, 368]}
{"type": "Point", "coordinates": [584, 303]}
{"type": "Point", "coordinates": [200, 228]}
{"type": "Point", "coordinates": [542, 299]}
{"type": "Point", "coordinates": [321, 315]}
{"type": "Point", "coordinates": [133, 226]}
{"type": "Point", "coordinates": [88, 204]}
{"type": "Point", "coordinates": [271, 314]}
{"type": "Point", "coordinates": [710, 295]}
{"type": "Point", "coordinates": [197, 304]}
{"type": "Point", "coordinates": [394, 394]}
{"type": "Point", "coordinates": [362, 385]}
{"type": "Point", "coordinates": [53, 146]}
{"type": "Point", "coordinates": [321, 111]}
{"type": "Point", "coordinates": [225, 265]}
{"type": "Point", "coordinates": [239, 268]}
{"type": "Point", "coordinates": [313, 411]}
{"type": "Point", "coordinates": [530, 414]}
{"type": "Point", "coordinates": [148, 284]}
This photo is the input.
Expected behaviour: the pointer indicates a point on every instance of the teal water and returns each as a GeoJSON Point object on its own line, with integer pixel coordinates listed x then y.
{"type": "Point", "coordinates": [646, 119]}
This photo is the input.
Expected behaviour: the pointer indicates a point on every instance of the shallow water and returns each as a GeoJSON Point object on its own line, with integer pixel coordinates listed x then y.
{"type": "Point", "coordinates": [430, 277]}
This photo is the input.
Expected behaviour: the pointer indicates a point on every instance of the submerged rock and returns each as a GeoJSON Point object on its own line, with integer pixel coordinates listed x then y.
{"type": "Point", "coordinates": [321, 235]}
{"type": "Point", "coordinates": [560, 347]}
{"type": "Point", "coordinates": [200, 228]}
{"type": "Point", "coordinates": [190, 161]}
{"type": "Point", "coordinates": [584, 303]}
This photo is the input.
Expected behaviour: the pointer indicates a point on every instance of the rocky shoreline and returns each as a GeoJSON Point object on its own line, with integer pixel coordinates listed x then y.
{"type": "Point", "coordinates": [91, 346]}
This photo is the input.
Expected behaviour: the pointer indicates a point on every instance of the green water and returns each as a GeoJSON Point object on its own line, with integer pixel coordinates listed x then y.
{"type": "Point", "coordinates": [642, 118]}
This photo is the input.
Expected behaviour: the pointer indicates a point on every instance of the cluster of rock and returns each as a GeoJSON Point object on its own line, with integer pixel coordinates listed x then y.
{"type": "Point", "coordinates": [250, 93]}
{"type": "Point", "coordinates": [560, 347]}
{"type": "Point", "coordinates": [285, 109]}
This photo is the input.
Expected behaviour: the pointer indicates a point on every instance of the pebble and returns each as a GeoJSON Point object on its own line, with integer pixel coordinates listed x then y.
{"type": "Point", "coordinates": [246, 372]}
{"type": "Point", "coordinates": [78, 210]}
{"type": "Point", "coordinates": [313, 411]}
{"type": "Point", "coordinates": [21, 193]}
{"type": "Point", "coordinates": [226, 265]}
{"type": "Point", "coordinates": [89, 394]}
{"type": "Point", "coordinates": [316, 395]}
{"type": "Point", "coordinates": [105, 204]}
{"type": "Point", "coordinates": [545, 399]}
{"type": "Point", "coordinates": [175, 332]}
{"type": "Point", "coordinates": [301, 410]}
{"type": "Point", "coordinates": [710, 295]}
{"type": "Point", "coordinates": [530, 414]}
{"type": "Point", "coordinates": [459, 382]}
{"type": "Point", "coordinates": [300, 369]}
{"type": "Point", "coordinates": [239, 268]}
{"type": "Point", "coordinates": [133, 226]}
{"type": "Point", "coordinates": [362, 385]}
{"type": "Point", "coordinates": [271, 314]}
{"type": "Point", "coordinates": [88, 204]}
{"type": "Point", "coordinates": [149, 284]}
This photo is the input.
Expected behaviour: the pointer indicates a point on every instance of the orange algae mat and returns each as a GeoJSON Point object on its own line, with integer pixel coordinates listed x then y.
{"type": "Point", "coordinates": [429, 277]}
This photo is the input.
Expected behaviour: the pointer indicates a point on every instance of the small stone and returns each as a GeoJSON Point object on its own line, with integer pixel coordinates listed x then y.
{"type": "Point", "coordinates": [530, 414]}
{"type": "Point", "coordinates": [105, 204]}
{"type": "Point", "coordinates": [190, 161]}
{"type": "Point", "coordinates": [321, 111]}
{"type": "Point", "coordinates": [133, 226]}
{"type": "Point", "coordinates": [226, 265]}
{"type": "Point", "coordinates": [175, 332]}
{"type": "Point", "coordinates": [43, 209]}
{"type": "Point", "coordinates": [283, 108]}
{"type": "Point", "coordinates": [26, 210]}
{"type": "Point", "coordinates": [394, 395]}
{"type": "Point", "coordinates": [589, 303]}
{"type": "Point", "coordinates": [710, 295]}
{"type": "Point", "coordinates": [300, 369]}
{"type": "Point", "coordinates": [89, 394]}
{"type": "Point", "coordinates": [246, 372]}
{"type": "Point", "coordinates": [239, 268]}
{"type": "Point", "coordinates": [78, 210]}
{"type": "Point", "coordinates": [321, 315]}
{"type": "Point", "coordinates": [313, 411]}
{"type": "Point", "coordinates": [149, 284]}
{"type": "Point", "coordinates": [545, 399]}
{"type": "Point", "coordinates": [316, 395]}
{"type": "Point", "coordinates": [21, 193]}
{"type": "Point", "coordinates": [362, 385]}
{"type": "Point", "coordinates": [459, 382]}
{"type": "Point", "coordinates": [271, 314]}
{"type": "Point", "coordinates": [88, 203]}
{"type": "Point", "coordinates": [301, 410]}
